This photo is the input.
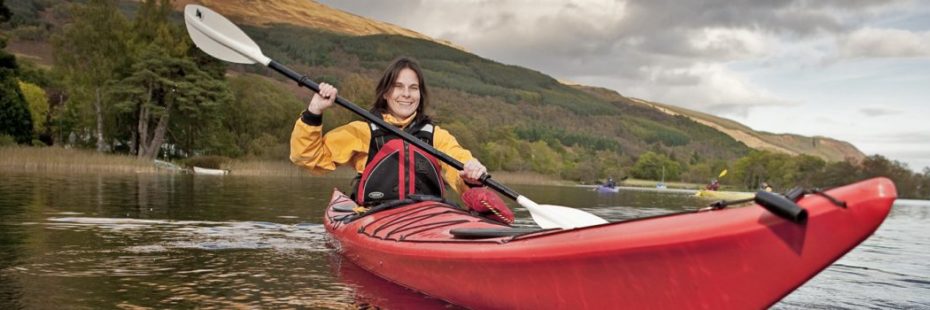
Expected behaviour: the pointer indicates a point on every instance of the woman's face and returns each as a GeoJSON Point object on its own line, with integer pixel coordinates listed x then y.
{"type": "Point", "coordinates": [404, 97]}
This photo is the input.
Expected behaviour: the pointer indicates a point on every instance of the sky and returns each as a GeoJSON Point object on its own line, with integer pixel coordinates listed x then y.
{"type": "Point", "coordinates": [853, 70]}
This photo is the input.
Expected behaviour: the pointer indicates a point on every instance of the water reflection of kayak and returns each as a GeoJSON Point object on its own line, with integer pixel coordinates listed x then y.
{"type": "Point", "coordinates": [208, 171]}
{"type": "Point", "coordinates": [606, 189]}
{"type": "Point", "coordinates": [744, 258]}
{"type": "Point", "coordinates": [372, 292]}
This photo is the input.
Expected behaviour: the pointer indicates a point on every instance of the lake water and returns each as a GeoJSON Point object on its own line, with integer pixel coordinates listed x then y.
{"type": "Point", "coordinates": [182, 241]}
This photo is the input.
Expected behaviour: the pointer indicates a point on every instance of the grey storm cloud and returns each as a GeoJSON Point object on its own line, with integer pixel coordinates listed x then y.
{"type": "Point", "coordinates": [649, 45]}
{"type": "Point", "coordinates": [661, 29]}
{"type": "Point", "coordinates": [879, 43]}
{"type": "Point", "coordinates": [656, 30]}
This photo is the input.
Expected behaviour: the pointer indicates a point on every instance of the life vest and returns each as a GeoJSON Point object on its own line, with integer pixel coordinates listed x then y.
{"type": "Point", "coordinates": [396, 168]}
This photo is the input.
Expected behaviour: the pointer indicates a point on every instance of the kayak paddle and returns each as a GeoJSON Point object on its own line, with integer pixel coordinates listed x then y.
{"type": "Point", "coordinates": [220, 38]}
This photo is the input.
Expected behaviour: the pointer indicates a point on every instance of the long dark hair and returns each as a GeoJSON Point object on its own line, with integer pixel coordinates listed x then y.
{"type": "Point", "coordinates": [387, 83]}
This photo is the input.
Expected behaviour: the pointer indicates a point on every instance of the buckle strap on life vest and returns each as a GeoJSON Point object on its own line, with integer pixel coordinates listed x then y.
{"type": "Point", "coordinates": [421, 130]}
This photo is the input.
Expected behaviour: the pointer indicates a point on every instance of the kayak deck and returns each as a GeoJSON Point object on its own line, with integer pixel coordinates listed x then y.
{"type": "Point", "coordinates": [731, 258]}
{"type": "Point", "coordinates": [422, 222]}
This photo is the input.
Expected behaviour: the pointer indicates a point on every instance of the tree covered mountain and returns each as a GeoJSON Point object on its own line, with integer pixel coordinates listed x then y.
{"type": "Point", "coordinates": [157, 89]}
{"type": "Point", "coordinates": [309, 14]}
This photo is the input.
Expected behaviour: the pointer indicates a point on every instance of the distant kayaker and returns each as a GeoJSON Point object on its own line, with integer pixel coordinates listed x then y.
{"type": "Point", "coordinates": [765, 187]}
{"type": "Point", "coordinates": [714, 185]}
{"type": "Point", "coordinates": [610, 182]}
{"type": "Point", "coordinates": [378, 155]}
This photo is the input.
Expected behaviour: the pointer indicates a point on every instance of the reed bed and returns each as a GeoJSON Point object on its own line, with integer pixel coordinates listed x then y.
{"type": "Point", "coordinates": [279, 168]}
{"type": "Point", "coordinates": [56, 159]}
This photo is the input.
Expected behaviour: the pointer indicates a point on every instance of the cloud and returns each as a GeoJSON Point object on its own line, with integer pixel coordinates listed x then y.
{"type": "Point", "coordinates": [912, 138]}
{"type": "Point", "coordinates": [731, 44]}
{"type": "Point", "coordinates": [707, 87]}
{"type": "Point", "coordinates": [879, 43]}
{"type": "Point", "coordinates": [879, 111]}
{"type": "Point", "coordinates": [671, 51]}
{"type": "Point", "coordinates": [731, 58]}
{"type": "Point", "coordinates": [606, 37]}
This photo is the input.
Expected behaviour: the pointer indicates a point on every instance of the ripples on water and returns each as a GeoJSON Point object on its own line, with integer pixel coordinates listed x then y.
{"type": "Point", "coordinates": [77, 248]}
{"type": "Point", "coordinates": [191, 263]}
{"type": "Point", "coordinates": [890, 270]}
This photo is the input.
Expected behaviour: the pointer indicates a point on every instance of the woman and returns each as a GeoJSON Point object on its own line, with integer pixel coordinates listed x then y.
{"type": "Point", "coordinates": [376, 154]}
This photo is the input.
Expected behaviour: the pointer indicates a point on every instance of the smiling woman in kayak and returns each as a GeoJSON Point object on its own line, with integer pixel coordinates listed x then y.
{"type": "Point", "coordinates": [389, 168]}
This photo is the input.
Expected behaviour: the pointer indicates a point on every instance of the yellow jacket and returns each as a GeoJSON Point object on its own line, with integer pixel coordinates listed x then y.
{"type": "Point", "coordinates": [348, 145]}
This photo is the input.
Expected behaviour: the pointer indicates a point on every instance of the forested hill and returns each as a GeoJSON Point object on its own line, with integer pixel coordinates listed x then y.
{"type": "Point", "coordinates": [791, 144]}
{"type": "Point", "coordinates": [513, 118]}
{"type": "Point", "coordinates": [302, 13]}
{"type": "Point", "coordinates": [310, 14]}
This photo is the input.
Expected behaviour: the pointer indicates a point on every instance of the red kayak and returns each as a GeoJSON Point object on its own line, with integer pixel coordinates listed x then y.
{"type": "Point", "coordinates": [743, 258]}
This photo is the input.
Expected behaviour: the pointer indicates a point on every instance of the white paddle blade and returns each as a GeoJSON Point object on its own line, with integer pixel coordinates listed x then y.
{"type": "Point", "coordinates": [552, 216]}
{"type": "Point", "coordinates": [220, 38]}
{"type": "Point", "coordinates": [570, 217]}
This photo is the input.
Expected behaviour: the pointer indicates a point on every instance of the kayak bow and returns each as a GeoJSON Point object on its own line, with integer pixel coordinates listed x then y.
{"type": "Point", "coordinates": [746, 258]}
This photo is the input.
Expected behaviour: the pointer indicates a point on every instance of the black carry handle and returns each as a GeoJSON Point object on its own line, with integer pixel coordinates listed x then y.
{"type": "Point", "coordinates": [781, 206]}
{"type": "Point", "coordinates": [303, 80]}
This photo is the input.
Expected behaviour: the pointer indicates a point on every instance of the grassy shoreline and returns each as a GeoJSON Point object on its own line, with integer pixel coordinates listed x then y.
{"type": "Point", "coordinates": [56, 159]}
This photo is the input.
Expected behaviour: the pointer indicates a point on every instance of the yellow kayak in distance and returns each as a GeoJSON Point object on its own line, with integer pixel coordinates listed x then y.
{"type": "Point", "coordinates": [723, 195]}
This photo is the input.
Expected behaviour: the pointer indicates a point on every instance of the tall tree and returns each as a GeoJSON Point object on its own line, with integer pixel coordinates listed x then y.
{"type": "Point", "coordinates": [37, 101]}
{"type": "Point", "coordinates": [15, 119]}
{"type": "Point", "coordinates": [88, 52]}
{"type": "Point", "coordinates": [163, 88]}
{"type": "Point", "coordinates": [152, 26]}
{"type": "Point", "coordinates": [167, 92]}
{"type": "Point", "coordinates": [654, 166]}
{"type": "Point", "coordinates": [254, 118]}
{"type": "Point", "coordinates": [4, 12]}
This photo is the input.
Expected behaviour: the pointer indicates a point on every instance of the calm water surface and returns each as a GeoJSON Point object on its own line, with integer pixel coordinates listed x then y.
{"type": "Point", "coordinates": [180, 241]}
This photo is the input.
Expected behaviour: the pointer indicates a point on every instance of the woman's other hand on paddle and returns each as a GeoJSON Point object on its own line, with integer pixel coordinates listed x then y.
{"type": "Point", "coordinates": [473, 171]}
{"type": "Point", "coordinates": [323, 99]}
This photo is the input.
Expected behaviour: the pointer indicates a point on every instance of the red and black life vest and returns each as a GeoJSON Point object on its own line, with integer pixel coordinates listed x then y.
{"type": "Point", "coordinates": [397, 168]}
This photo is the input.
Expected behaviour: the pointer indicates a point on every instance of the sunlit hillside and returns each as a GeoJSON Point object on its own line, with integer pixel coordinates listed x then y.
{"type": "Point", "coordinates": [823, 147]}
{"type": "Point", "coordinates": [303, 13]}
{"type": "Point", "coordinates": [514, 119]}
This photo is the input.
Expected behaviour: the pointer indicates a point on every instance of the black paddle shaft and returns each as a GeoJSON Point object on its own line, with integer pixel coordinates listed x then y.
{"type": "Point", "coordinates": [305, 81]}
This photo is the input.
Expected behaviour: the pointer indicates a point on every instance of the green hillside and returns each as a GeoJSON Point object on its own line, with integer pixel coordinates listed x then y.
{"type": "Point", "coordinates": [123, 77]}
{"type": "Point", "coordinates": [502, 105]}
{"type": "Point", "coordinates": [823, 147]}
{"type": "Point", "coordinates": [512, 118]}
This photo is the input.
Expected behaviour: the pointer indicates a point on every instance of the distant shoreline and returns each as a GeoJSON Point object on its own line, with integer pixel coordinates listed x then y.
{"type": "Point", "coordinates": [69, 160]}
